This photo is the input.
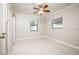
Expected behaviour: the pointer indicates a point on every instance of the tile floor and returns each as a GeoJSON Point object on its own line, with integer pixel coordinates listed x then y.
{"type": "Point", "coordinates": [41, 47]}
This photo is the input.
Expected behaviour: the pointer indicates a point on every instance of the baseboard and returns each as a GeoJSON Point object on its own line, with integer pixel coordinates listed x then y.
{"type": "Point", "coordinates": [36, 37]}
{"type": "Point", "coordinates": [61, 42]}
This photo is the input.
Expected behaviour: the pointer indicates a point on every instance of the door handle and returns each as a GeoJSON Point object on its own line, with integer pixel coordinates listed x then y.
{"type": "Point", "coordinates": [2, 35]}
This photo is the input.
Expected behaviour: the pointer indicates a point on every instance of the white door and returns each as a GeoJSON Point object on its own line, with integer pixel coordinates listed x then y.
{"type": "Point", "coordinates": [2, 29]}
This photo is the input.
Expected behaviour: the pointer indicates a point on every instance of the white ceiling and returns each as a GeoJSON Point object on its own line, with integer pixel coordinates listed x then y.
{"type": "Point", "coordinates": [27, 8]}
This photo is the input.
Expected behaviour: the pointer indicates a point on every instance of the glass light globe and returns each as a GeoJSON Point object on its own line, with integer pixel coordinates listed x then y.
{"type": "Point", "coordinates": [40, 12]}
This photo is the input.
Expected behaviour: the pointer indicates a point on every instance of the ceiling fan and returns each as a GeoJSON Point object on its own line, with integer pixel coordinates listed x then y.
{"type": "Point", "coordinates": [41, 8]}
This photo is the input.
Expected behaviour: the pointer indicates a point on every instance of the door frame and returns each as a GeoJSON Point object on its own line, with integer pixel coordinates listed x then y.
{"type": "Point", "coordinates": [11, 39]}
{"type": "Point", "coordinates": [5, 28]}
{"type": "Point", "coordinates": [5, 46]}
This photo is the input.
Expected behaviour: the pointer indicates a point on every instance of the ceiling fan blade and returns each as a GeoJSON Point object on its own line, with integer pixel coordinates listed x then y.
{"type": "Point", "coordinates": [35, 8]}
{"type": "Point", "coordinates": [46, 10]}
{"type": "Point", "coordinates": [41, 6]}
{"type": "Point", "coordinates": [45, 6]}
{"type": "Point", "coordinates": [35, 12]}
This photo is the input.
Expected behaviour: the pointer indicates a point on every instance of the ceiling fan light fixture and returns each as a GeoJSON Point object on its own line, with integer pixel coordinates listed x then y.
{"type": "Point", "coordinates": [40, 12]}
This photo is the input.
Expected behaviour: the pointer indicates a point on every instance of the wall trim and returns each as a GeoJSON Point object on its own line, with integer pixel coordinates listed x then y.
{"type": "Point", "coordinates": [64, 43]}
{"type": "Point", "coordinates": [36, 37]}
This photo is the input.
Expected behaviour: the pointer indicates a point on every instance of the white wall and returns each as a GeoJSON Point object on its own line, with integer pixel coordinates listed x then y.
{"type": "Point", "coordinates": [23, 26]}
{"type": "Point", "coordinates": [70, 31]}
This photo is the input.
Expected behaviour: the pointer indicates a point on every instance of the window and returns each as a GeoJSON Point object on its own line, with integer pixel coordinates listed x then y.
{"type": "Point", "coordinates": [57, 23]}
{"type": "Point", "coordinates": [34, 25]}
